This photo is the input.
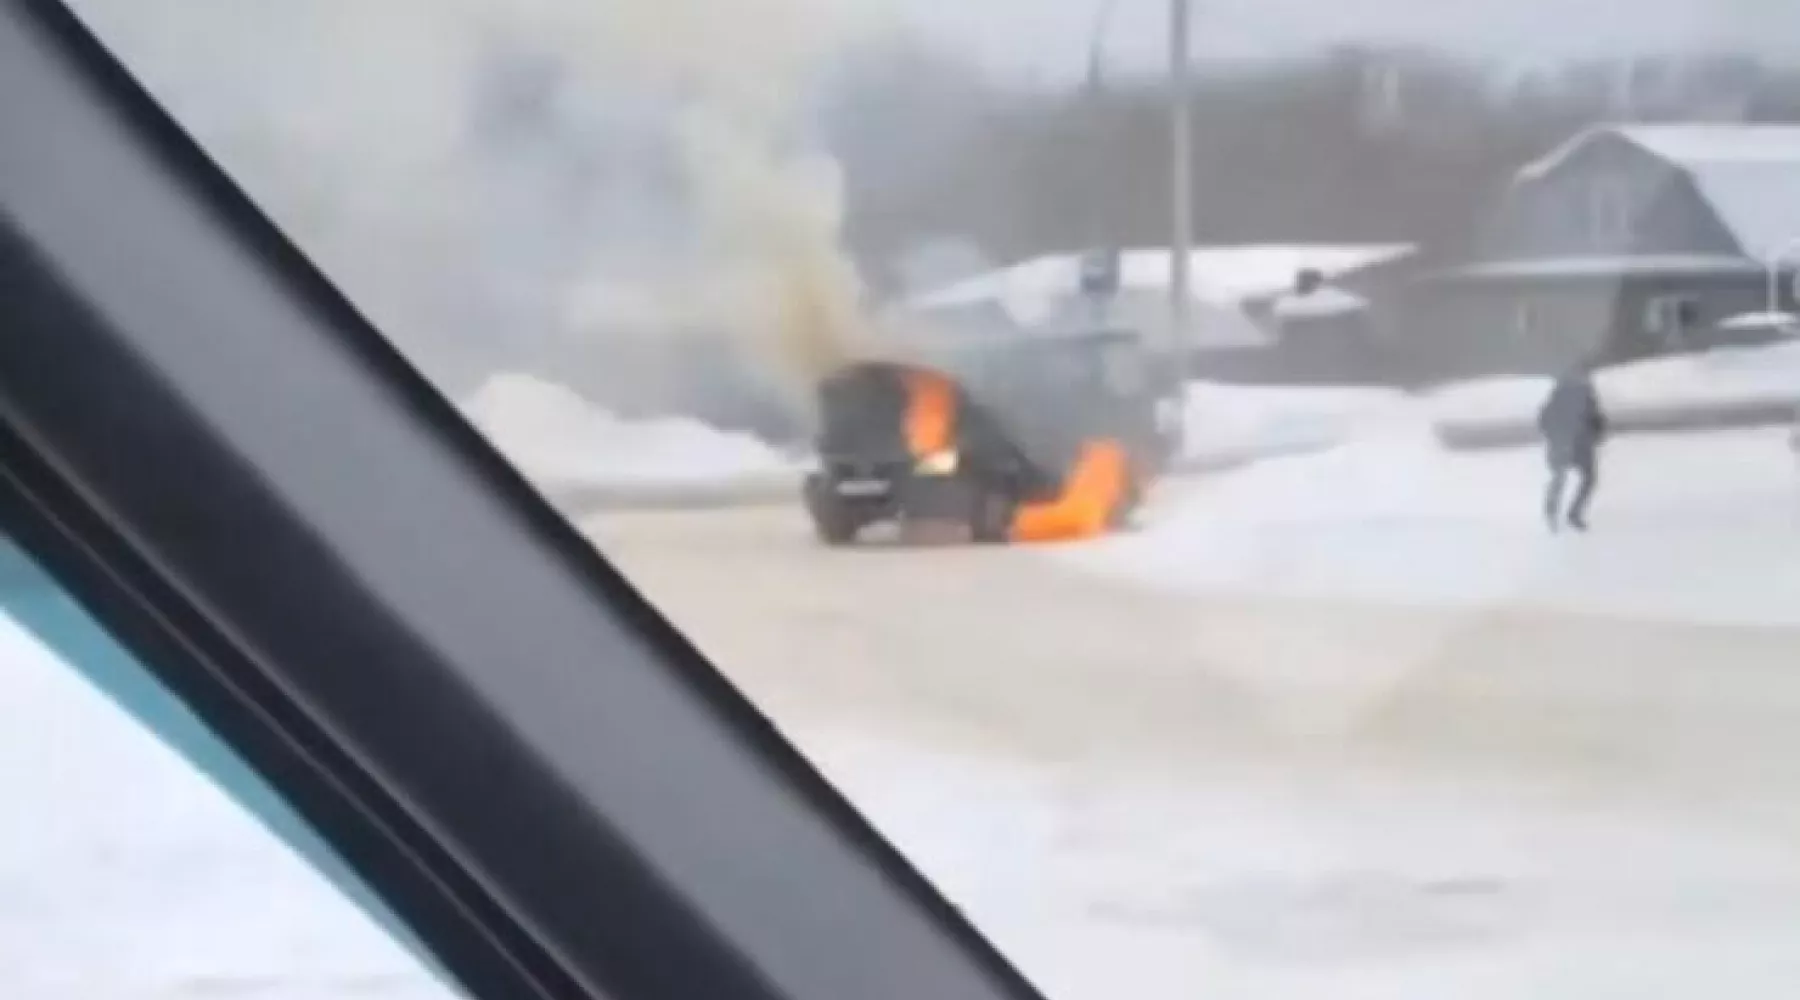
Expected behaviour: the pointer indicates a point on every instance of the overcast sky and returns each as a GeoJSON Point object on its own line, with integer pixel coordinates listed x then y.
{"type": "Point", "coordinates": [1049, 38]}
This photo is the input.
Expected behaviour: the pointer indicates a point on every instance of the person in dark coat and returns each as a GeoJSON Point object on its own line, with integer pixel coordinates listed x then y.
{"type": "Point", "coordinates": [1574, 425]}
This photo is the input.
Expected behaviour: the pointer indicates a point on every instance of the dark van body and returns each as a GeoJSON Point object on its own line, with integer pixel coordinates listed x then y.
{"type": "Point", "coordinates": [980, 434]}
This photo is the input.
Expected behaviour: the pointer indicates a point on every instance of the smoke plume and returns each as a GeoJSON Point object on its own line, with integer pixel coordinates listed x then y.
{"type": "Point", "coordinates": [496, 179]}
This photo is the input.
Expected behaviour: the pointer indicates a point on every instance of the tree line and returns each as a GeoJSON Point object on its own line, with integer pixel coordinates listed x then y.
{"type": "Point", "coordinates": [1352, 145]}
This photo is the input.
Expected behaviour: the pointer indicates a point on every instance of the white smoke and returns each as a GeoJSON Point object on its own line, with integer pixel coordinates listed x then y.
{"type": "Point", "coordinates": [513, 172]}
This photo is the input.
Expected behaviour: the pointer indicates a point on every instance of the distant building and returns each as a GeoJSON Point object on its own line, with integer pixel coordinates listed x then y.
{"type": "Point", "coordinates": [1625, 242]}
{"type": "Point", "coordinates": [1243, 325]}
{"type": "Point", "coordinates": [1338, 326]}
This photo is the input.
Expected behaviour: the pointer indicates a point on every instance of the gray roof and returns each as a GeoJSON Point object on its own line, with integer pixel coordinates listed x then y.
{"type": "Point", "coordinates": [1758, 203]}
{"type": "Point", "coordinates": [1749, 174]}
{"type": "Point", "coordinates": [1042, 293]}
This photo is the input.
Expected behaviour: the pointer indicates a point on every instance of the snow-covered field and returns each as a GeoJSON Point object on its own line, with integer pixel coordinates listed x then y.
{"type": "Point", "coordinates": [1698, 527]}
{"type": "Point", "coordinates": [1271, 883]}
{"type": "Point", "coordinates": [124, 874]}
{"type": "Point", "coordinates": [567, 445]}
{"type": "Point", "coordinates": [1662, 390]}
{"type": "Point", "coordinates": [1102, 865]}
{"type": "Point", "coordinates": [1223, 423]}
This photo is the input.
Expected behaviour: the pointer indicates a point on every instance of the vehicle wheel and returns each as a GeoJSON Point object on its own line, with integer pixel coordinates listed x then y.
{"type": "Point", "coordinates": [991, 516]}
{"type": "Point", "coordinates": [832, 519]}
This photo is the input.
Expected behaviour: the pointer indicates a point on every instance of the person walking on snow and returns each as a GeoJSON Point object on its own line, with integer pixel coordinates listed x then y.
{"type": "Point", "coordinates": [1573, 425]}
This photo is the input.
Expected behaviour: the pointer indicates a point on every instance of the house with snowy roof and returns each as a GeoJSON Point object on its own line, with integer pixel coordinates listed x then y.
{"type": "Point", "coordinates": [1246, 320]}
{"type": "Point", "coordinates": [1625, 242]}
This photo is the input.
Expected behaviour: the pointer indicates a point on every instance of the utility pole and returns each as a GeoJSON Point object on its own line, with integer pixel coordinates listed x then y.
{"type": "Point", "coordinates": [1100, 259]}
{"type": "Point", "coordinates": [1181, 142]}
{"type": "Point", "coordinates": [1096, 41]}
{"type": "Point", "coordinates": [1097, 153]}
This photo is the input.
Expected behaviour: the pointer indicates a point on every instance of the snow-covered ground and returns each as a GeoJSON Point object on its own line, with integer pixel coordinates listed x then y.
{"type": "Point", "coordinates": [125, 874]}
{"type": "Point", "coordinates": [1280, 885]}
{"type": "Point", "coordinates": [1271, 883]}
{"type": "Point", "coordinates": [562, 442]}
{"type": "Point", "coordinates": [1733, 377]}
{"type": "Point", "coordinates": [1244, 878]}
{"type": "Point", "coordinates": [1223, 421]}
{"type": "Point", "coordinates": [1699, 527]}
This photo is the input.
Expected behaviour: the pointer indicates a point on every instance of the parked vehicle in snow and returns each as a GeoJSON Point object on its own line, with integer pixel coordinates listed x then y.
{"type": "Point", "coordinates": [1030, 439]}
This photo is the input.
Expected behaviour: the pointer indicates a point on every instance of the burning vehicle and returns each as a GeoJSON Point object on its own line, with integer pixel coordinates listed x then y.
{"type": "Point", "coordinates": [1035, 438]}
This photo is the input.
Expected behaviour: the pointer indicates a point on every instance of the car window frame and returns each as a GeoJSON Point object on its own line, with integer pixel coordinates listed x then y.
{"type": "Point", "coordinates": [156, 330]}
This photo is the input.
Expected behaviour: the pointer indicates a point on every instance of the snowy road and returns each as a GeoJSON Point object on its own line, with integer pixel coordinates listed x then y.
{"type": "Point", "coordinates": [1011, 651]}
{"type": "Point", "coordinates": [1255, 796]}
{"type": "Point", "coordinates": [1148, 783]}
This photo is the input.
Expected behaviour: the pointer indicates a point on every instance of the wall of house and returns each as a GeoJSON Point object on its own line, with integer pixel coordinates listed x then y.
{"type": "Point", "coordinates": [1536, 326]}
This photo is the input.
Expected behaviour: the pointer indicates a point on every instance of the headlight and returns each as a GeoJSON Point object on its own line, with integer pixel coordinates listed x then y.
{"type": "Point", "coordinates": [938, 463]}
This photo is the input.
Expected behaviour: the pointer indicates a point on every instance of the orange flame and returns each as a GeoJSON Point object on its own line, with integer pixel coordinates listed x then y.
{"type": "Point", "coordinates": [930, 412]}
{"type": "Point", "coordinates": [1096, 486]}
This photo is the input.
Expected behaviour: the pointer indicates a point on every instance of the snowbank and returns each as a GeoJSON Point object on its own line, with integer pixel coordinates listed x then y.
{"type": "Point", "coordinates": [1229, 424]}
{"type": "Point", "coordinates": [1726, 387]}
{"type": "Point", "coordinates": [577, 451]}
{"type": "Point", "coordinates": [1695, 527]}
{"type": "Point", "coordinates": [581, 454]}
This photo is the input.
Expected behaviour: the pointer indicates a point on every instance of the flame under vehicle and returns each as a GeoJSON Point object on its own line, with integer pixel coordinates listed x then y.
{"type": "Point", "coordinates": [1021, 439]}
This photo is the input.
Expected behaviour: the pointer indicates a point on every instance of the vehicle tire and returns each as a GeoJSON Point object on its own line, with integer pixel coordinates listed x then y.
{"type": "Point", "coordinates": [832, 519]}
{"type": "Point", "coordinates": [990, 514]}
